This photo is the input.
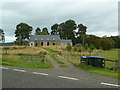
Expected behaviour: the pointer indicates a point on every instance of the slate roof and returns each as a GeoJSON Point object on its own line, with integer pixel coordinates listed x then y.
{"type": "Point", "coordinates": [66, 41]}
{"type": "Point", "coordinates": [45, 38]}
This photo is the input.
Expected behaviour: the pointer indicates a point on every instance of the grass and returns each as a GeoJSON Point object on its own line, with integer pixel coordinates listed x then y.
{"type": "Point", "coordinates": [53, 55]}
{"type": "Point", "coordinates": [24, 61]}
{"type": "Point", "coordinates": [70, 58]}
{"type": "Point", "coordinates": [100, 71]}
{"type": "Point", "coordinates": [49, 50]}
{"type": "Point", "coordinates": [108, 54]}
{"type": "Point", "coordinates": [60, 62]}
{"type": "Point", "coordinates": [63, 66]}
{"type": "Point", "coordinates": [21, 50]}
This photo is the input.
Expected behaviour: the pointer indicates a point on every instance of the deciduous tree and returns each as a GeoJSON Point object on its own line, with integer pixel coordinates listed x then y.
{"type": "Point", "coordinates": [55, 29]}
{"type": "Point", "coordinates": [22, 32]}
{"type": "Point", "coordinates": [38, 30]}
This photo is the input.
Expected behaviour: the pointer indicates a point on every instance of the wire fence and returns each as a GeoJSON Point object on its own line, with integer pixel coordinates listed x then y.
{"type": "Point", "coordinates": [70, 57]}
{"type": "Point", "coordinates": [76, 59]}
{"type": "Point", "coordinates": [25, 57]}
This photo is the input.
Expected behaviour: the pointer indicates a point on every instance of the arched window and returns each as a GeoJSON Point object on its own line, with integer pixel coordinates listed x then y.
{"type": "Point", "coordinates": [41, 43]}
{"type": "Point", "coordinates": [47, 43]}
{"type": "Point", "coordinates": [53, 43]}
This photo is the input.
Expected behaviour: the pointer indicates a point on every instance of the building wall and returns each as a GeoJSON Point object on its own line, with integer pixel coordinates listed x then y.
{"type": "Point", "coordinates": [44, 43]}
{"type": "Point", "coordinates": [32, 44]}
{"type": "Point", "coordinates": [66, 43]}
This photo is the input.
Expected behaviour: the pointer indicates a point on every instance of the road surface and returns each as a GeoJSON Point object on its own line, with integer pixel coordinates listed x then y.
{"type": "Point", "coordinates": [17, 77]}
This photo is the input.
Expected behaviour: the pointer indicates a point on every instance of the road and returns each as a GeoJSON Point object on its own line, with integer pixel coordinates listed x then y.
{"type": "Point", "coordinates": [16, 77]}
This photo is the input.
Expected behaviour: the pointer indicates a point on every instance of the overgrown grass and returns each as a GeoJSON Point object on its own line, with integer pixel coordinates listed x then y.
{"type": "Point", "coordinates": [60, 62]}
{"type": "Point", "coordinates": [54, 57]}
{"type": "Point", "coordinates": [74, 59]}
{"type": "Point", "coordinates": [63, 66]}
{"type": "Point", "coordinates": [100, 71]}
{"type": "Point", "coordinates": [49, 50]}
{"type": "Point", "coordinates": [24, 61]}
{"type": "Point", "coordinates": [21, 49]}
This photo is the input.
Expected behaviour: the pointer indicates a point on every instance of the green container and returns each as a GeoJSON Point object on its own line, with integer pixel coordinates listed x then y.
{"type": "Point", "coordinates": [95, 61]}
{"type": "Point", "coordinates": [84, 59]}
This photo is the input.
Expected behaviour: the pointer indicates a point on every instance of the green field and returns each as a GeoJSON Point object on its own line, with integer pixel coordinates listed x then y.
{"type": "Point", "coordinates": [108, 54]}
{"type": "Point", "coordinates": [27, 61]}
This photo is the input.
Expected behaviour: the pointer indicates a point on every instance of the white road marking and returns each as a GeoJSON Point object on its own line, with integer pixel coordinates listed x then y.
{"type": "Point", "coordinates": [40, 73]}
{"type": "Point", "coordinates": [68, 78]}
{"type": "Point", "coordinates": [3, 67]}
{"type": "Point", "coordinates": [110, 84]}
{"type": "Point", "coordinates": [19, 70]}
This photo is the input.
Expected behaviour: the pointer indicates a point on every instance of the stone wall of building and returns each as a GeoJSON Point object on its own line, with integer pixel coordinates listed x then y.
{"type": "Point", "coordinates": [45, 43]}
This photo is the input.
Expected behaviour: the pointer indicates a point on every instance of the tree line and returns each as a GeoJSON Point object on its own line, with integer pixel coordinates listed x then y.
{"type": "Point", "coordinates": [68, 30]}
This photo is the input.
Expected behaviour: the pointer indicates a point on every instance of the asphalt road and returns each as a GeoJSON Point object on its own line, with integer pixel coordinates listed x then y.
{"type": "Point", "coordinates": [16, 77]}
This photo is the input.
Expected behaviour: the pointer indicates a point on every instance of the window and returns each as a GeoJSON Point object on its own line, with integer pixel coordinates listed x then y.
{"type": "Point", "coordinates": [47, 43]}
{"type": "Point", "coordinates": [31, 44]}
{"type": "Point", "coordinates": [53, 43]}
{"type": "Point", "coordinates": [36, 44]}
{"type": "Point", "coordinates": [41, 43]}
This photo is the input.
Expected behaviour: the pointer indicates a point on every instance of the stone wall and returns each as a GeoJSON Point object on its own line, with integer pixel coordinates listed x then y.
{"type": "Point", "coordinates": [45, 43]}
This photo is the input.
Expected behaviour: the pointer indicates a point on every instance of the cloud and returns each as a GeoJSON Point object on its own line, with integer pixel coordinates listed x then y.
{"type": "Point", "coordinates": [100, 18]}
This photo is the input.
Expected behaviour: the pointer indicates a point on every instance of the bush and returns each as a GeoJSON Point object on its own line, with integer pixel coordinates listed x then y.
{"type": "Point", "coordinates": [6, 48]}
{"type": "Point", "coordinates": [81, 49]}
{"type": "Point", "coordinates": [69, 47]}
{"type": "Point", "coordinates": [75, 49]}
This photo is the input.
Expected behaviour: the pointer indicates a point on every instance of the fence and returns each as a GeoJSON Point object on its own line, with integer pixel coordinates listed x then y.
{"type": "Point", "coordinates": [112, 64]}
{"type": "Point", "coordinates": [26, 57]}
{"type": "Point", "coordinates": [70, 57]}
{"type": "Point", "coordinates": [75, 59]}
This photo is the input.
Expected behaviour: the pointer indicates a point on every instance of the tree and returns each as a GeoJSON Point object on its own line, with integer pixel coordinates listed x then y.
{"type": "Point", "coordinates": [81, 32]}
{"type": "Point", "coordinates": [92, 39]}
{"type": "Point", "coordinates": [106, 43]}
{"type": "Point", "coordinates": [116, 40]}
{"type": "Point", "coordinates": [45, 31]}
{"type": "Point", "coordinates": [91, 47]}
{"type": "Point", "coordinates": [66, 30]}
{"type": "Point", "coordinates": [2, 36]}
{"type": "Point", "coordinates": [38, 30]}
{"type": "Point", "coordinates": [55, 29]}
{"type": "Point", "coordinates": [22, 32]}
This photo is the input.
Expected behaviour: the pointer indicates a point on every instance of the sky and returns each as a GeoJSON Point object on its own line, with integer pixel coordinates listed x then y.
{"type": "Point", "coordinates": [101, 18]}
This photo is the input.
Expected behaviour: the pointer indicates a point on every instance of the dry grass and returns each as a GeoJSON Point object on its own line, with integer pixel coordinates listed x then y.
{"type": "Point", "coordinates": [22, 50]}
{"type": "Point", "coordinates": [63, 49]}
{"type": "Point", "coordinates": [56, 48]}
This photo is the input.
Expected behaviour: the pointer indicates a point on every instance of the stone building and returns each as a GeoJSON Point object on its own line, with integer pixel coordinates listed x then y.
{"type": "Point", "coordinates": [46, 40]}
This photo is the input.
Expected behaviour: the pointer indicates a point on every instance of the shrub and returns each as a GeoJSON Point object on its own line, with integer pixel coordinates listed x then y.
{"type": "Point", "coordinates": [75, 49]}
{"type": "Point", "coordinates": [69, 47]}
{"type": "Point", "coordinates": [81, 49]}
